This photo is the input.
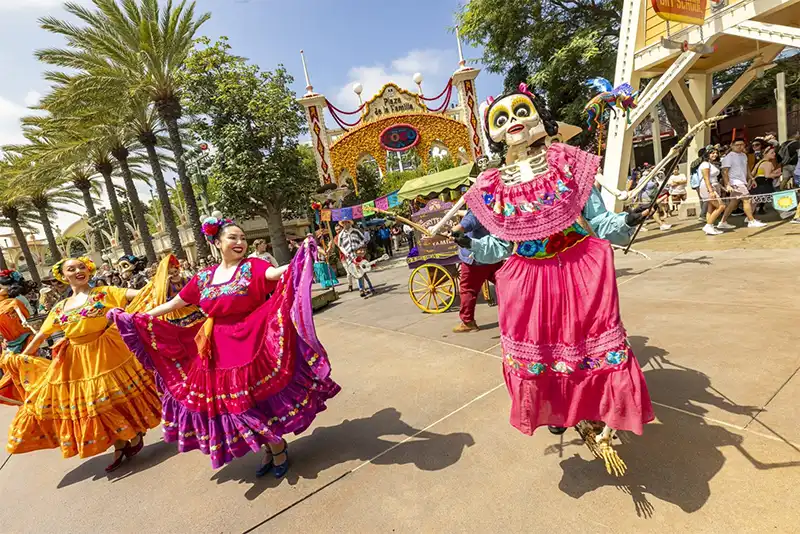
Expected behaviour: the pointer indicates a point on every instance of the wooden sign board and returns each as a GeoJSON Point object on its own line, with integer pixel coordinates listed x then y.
{"type": "Point", "coordinates": [686, 11]}
{"type": "Point", "coordinates": [436, 246]}
{"type": "Point", "coordinates": [392, 100]}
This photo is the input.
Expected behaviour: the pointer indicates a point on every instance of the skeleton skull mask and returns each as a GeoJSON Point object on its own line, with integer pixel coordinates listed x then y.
{"type": "Point", "coordinates": [513, 120]}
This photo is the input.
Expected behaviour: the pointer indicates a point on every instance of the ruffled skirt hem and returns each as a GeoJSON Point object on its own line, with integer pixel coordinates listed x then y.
{"type": "Point", "coordinates": [617, 396]}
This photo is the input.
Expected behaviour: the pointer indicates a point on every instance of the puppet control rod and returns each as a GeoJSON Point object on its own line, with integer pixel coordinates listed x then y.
{"type": "Point", "coordinates": [633, 193]}
{"type": "Point", "coordinates": [674, 157]}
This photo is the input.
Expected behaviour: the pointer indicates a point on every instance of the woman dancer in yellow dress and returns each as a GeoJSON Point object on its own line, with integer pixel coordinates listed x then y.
{"type": "Point", "coordinates": [95, 393]}
{"type": "Point", "coordinates": [15, 335]}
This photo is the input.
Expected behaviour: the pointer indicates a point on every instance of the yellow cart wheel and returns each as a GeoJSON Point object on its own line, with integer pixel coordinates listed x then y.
{"type": "Point", "coordinates": [432, 288]}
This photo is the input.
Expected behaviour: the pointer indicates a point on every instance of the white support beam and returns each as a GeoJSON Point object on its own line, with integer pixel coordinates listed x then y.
{"type": "Point", "coordinates": [770, 33]}
{"type": "Point", "coordinates": [780, 96]}
{"type": "Point", "coordinates": [656, 90]}
{"type": "Point", "coordinates": [655, 130]}
{"type": "Point", "coordinates": [717, 23]}
{"type": "Point", "coordinates": [768, 53]}
{"type": "Point", "coordinates": [618, 142]}
{"type": "Point", "coordinates": [685, 102]}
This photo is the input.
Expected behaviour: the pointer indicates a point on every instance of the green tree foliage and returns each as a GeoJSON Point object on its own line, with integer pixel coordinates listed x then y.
{"type": "Point", "coordinates": [561, 45]}
{"type": "Point", "coordinates": [253, 120]}
{"type": "Point", "coordinates": [555, 47]}
{"type": "Point", "coordinates": [760, 92]}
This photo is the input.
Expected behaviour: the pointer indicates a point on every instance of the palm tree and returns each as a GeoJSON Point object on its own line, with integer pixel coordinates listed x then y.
{"type": "Point", "coordinates": [78, 139]}
{"type": "Point", "coordinates": [44, 188]}
{"type": "Point", "coordinates": [140, 45]}
{"type": "Point", "coordinates": [146, 126]}
{"type": "Point", "coordinates": [55, 154]}
{"type": "Point", "coordinates": [135, 123]}
{"type": "Point", "coordinates": [12, 208]}
{"type": "Point", "coordinates": [118, 139]}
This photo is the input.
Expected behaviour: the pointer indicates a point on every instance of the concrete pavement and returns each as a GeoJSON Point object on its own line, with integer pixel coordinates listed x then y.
{"type": "Point", "coordinates": [418, 439]}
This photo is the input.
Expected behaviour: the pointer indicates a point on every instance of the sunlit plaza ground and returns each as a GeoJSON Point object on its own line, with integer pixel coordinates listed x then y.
{"type": "Point", "coordinates": [418, 440]}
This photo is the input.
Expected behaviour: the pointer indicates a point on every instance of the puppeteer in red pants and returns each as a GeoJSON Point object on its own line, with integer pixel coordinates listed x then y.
{"type": "Point", "coordinates": [473, 274]}
{"type": "Point", "coordinates": [472, 279]}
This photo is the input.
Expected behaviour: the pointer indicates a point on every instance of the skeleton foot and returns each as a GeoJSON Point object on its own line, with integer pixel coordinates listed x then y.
{"type": "Point", "coordinates": [599, 442]}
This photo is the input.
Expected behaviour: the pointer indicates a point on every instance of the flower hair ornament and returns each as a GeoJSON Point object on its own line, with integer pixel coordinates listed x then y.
{"type": "Point", "coordinates": [58, 268]}
{"type": "Point", "coordinates": [212, 226]}
{"type": "Point", "coordinates": [13, 276]}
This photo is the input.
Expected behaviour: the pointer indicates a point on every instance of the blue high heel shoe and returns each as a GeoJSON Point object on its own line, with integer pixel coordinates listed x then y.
{"type": "Point", "coordinates": [265, 468]}
{"type": "Point", "coordinates": [281, 469]}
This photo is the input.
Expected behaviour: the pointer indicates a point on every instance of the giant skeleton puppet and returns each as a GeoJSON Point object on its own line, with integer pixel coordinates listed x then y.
{"type": "Point", "coordinates": [566, 358]}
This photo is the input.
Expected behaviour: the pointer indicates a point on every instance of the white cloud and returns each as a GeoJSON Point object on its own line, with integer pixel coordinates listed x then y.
{"type": "Point", "coordinates": [35, 5]}
{"type": "Point", "coordinates": [435, 65]}
{"type": "Point", "coordinates": [10, 114]}
{"type": "Point", "coordinates": [32, 98]}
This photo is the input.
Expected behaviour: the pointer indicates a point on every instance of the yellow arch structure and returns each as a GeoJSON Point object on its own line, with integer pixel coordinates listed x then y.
{"type": "Point", "coordinates": [349, 149]}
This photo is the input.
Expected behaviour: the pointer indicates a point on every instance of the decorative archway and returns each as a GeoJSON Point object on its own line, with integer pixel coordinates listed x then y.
{"type": "Point", "coordinates": [72, 247]}
{"type": "Point", "coordinates": [414, 119]}
{"type": "Point", "coordinates": [433, 129]}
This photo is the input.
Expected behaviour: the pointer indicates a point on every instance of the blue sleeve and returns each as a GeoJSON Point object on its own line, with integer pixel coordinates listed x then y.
{"type": "Point", "coordinates": [489, 250]}
{"type": "Point", "coordinates": [469, 222]}
{"type": "Point", "coordinates": [607, 225]}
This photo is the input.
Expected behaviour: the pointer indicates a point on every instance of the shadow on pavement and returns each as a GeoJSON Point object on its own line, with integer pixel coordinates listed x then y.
{"type": "Point", "coordinates": [358, 439]}
{"type": "Point", "coordinates": [94, 468]}
{"type": "Point", "coordinates": [673, 461]}
{"type": "Point", "coordinates": [622, 272]}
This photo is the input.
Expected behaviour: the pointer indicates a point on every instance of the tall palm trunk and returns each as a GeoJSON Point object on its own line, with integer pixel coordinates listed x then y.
{"type": "Point", "coordinates": [13, 218]}
{"type": "Point", "coordinates": [170, 112]}
{"type": "Point", "coordinates": [86, 190]}
{"type": "Point", "coordinates": [52, 244]}
{"type": "Point", "coordinates": [121, 154]}
{"type": "Point", "coordinates": [105, 169]}
{"type": "Point", "coordinates": [148, 140]}
{"type": "Point", "coordinates": [3, 264]}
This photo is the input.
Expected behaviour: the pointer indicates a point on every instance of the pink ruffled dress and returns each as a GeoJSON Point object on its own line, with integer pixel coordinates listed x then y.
{"type": "Point", "coordinates": [252, 373]}
{"type": "Point", "coordinates": [565, 352]}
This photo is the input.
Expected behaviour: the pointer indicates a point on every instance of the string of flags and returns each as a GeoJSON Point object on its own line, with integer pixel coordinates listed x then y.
{"type": "Point", "coordinates": [363, 210]}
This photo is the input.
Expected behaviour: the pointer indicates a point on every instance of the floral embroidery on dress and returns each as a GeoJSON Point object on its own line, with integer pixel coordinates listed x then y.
{"type": "Point", "coordinates": [524, 367]}
{"type": "Point", "coordinates": [93, 307]}
{"type": "Point", "coordinates": [590, 363]}
{"type": "Point", "coordinates": [237, 286]}
{"type": "Point", "coordinates": [616, 357]}
{"type": "Point", "coordinates": [511, 361]}
{"type": "Point", "coordinates": [562, 367]}
{"type": "Point", "coordinates": [536, 368]}
{"type": "Point", "coordinates": [509, 210]}
{"type": "Point", "coordinates": [550, 246]}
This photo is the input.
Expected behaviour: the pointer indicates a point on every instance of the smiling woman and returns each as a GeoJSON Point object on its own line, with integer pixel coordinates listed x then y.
{"type": "Point", "coordinates": [255, 372]}
{"type": "Point", "coordinates": [94, 393]}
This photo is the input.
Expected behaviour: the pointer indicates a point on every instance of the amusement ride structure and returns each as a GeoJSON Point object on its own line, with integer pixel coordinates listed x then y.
{"type": "Point", "coordinates": [678, 45]}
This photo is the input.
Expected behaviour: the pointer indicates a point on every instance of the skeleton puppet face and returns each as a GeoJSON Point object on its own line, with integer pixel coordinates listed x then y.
{"type": "Point", "coordinates": [514, 120]}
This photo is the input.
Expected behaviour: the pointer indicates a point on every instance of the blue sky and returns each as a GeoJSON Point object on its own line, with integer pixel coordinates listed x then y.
{"type": "Point", "coordinates": [345, 41]}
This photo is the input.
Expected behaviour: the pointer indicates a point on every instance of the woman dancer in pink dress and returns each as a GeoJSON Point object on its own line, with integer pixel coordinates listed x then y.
{"type": "Point", "coordinates": [566, 360]}
{"type": "Point", "coordinates": [254, 371]}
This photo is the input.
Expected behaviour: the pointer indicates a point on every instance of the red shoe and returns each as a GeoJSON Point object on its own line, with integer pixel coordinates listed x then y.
{"type": "Point", "coordinates": [118, 462]}
{"type": "Point", "coordinates": [131, 450]}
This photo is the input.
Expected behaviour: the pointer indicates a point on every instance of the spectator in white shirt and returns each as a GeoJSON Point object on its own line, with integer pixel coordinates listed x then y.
{"type": "Point", "coordinates": [677, 187]}
{"type": "Point", "coordinates": [261, 252]}
{"type": "Point", "coordinates": [738, 181]}
{"type": "Point", "coordinates": [710, 189]}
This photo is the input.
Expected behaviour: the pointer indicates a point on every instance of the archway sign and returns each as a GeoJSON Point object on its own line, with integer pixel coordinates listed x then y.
{"type": "Point", "coordinates": [395, 120]}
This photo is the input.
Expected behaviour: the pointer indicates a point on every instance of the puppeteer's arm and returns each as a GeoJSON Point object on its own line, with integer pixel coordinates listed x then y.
{"type": "Point", "coordinates": [490, 249]}
{"type": "Point", "coordinates": [607, 225]}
